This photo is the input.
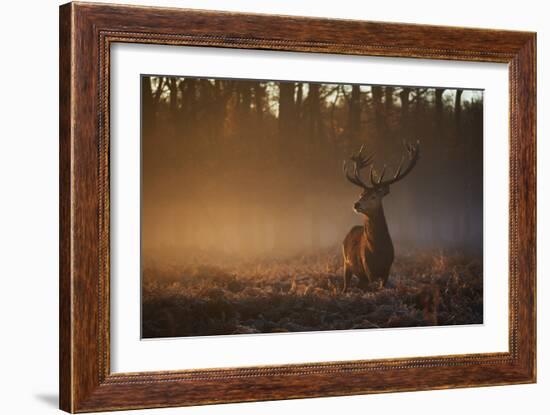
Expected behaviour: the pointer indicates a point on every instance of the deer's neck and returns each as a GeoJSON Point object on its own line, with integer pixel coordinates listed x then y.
{"type": "Point", "coordinates": [376, 227]}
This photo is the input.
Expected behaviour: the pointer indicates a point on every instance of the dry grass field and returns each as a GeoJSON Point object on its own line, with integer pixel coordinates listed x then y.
{"type": "Point", "coordinates": [304, 294]}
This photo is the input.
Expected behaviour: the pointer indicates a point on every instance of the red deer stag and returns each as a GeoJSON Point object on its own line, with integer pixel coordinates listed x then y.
{"type": "Point", "coordinates": [368, 249]}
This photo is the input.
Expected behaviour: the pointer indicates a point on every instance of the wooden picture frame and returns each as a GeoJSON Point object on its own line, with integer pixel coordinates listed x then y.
{"type": "Point", "coordinates": [86, 33]}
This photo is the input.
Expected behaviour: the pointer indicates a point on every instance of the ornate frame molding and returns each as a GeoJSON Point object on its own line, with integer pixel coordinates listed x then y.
{"type": "Point", "coordinates": [86, 33]}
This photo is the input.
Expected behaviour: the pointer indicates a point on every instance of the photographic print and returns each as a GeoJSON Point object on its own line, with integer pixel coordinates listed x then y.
{"type": "Point", "coordinates": [292, 206]}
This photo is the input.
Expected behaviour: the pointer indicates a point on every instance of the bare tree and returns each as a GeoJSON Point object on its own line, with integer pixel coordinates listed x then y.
{"type": "Point", "coordinates": [354, 119]}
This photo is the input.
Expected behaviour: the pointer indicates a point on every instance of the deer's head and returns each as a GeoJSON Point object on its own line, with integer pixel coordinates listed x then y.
{"type": "Point", "coordinates": [376, 188]}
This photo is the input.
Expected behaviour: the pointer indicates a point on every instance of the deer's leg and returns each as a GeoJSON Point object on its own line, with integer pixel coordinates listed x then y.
{"type": "Point", "coordinates": [347, 277]}
{"type": "Point", "coordinates": [384, 280]}
{"type": "Point", "coordinates": [363, 284]}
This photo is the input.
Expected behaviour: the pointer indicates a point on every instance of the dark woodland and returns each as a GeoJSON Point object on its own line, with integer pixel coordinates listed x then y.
{"type": "Point", "coordinates": [245, 205]}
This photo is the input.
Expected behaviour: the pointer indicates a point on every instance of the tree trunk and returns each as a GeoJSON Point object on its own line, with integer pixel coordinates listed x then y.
{"type": "Point", "coordinates": [388, 99]}
{"type": "Point", "coordinates": [458, 109]}
{"type": "Point", "coordinates": [404, 97]}
{"type": "Point", "coordinates": [286, 160]}
{"type": "Point", "coordinates": [315, 160]}
{"type": "Point", "coordinates": [439, 104]}
{"type": "Point", "coordinates": [147, 103]}
{"type": "Point", "coordinates": [259, 97]}
{"type": "Point", "coordinates": [286, 115]}
{"type": "Point", "coordinates": [173, 85]}
{"type": "Point", "coordinates": [314, 115]}
{"type": "Point", "coordinates": [354, 120]}
{"type": "Point", "coordinates": [299, 99]}
{"type": "Point", "coordinates": [377, 107]}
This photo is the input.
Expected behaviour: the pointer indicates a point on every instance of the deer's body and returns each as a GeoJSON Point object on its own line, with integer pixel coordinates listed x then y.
{"type": "Point", "coordinates": [368, 249]}
{"type": "Point", "coordinates": [368, 252]}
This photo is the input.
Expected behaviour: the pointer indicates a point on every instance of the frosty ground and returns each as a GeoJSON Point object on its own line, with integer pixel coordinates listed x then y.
{"type": "Point", "coordinates": [425, 288]}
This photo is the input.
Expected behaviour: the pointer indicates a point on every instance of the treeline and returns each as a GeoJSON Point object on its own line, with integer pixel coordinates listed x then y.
{"type": "Point", "coordinates": [256, 167]}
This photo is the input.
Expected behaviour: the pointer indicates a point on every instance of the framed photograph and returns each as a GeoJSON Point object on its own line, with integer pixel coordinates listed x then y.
{"type": "Point", "coordinates": [259, 207]}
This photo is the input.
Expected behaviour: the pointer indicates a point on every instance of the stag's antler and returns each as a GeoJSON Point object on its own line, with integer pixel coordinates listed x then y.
{"type": "Point", "coordinates": [360, 161]}
{"type": "Point", "coordinates": [413, 153]}
{"type": "Point", "coordinates": [377, 180]}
